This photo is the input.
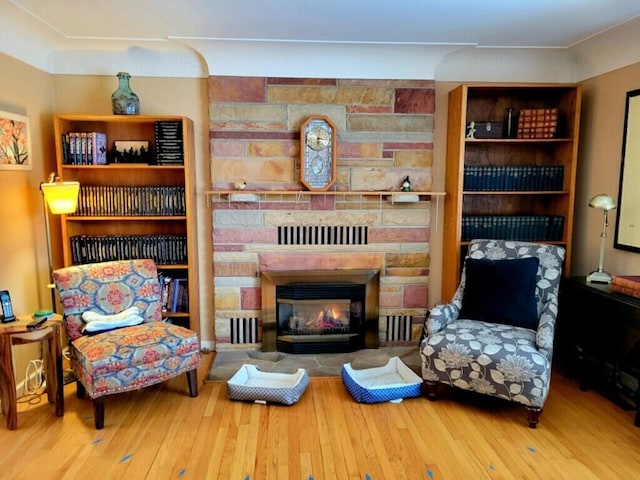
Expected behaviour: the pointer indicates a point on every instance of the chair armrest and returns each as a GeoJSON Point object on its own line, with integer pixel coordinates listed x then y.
{"type": "Point", "coordinates": [439, 316]}
{"type": "Point", "coordinates": [547, 326]}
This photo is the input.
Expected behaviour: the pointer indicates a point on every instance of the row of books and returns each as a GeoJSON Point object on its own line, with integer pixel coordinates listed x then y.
{"type": "Point", "coordinates": [513, 227]}
{"type": "Point", "coordinates": [513, 178]}
{"type": "Point", "coordinates": [174, 293]}
{"type": "Point", "coordinates": [163, 249]}
{"type": "Point", "coordinates": [101, 200]}
{"type": "Point", "coordinates": [626, 284]}
{"type": "Point", "coordinates": [169, 143]}
{"type": "Point", "coordinates": [537, 122]}
{"type": "Point", "coordinates": [84, 148]}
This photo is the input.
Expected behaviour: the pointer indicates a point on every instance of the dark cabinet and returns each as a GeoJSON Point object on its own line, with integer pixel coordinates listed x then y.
{"type": "Point", "coordinates": [598, 339]}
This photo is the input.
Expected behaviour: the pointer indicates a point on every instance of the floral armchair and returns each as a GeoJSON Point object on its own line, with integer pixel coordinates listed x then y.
{"type": "Point", "coordinates": [470, 344]}
{"type": "Point", "coordinates": [122, 358]}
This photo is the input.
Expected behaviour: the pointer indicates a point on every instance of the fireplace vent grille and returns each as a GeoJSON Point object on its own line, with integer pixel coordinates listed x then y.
{"type": "Point", "coordinates": [399, 328]}
{"type": "Point", "coordinates": [323, 235]}
{"type": "Point", "coordinates": [244, 330]}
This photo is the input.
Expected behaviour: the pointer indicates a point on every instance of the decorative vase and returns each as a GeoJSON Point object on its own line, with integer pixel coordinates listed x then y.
{"type": "Point", "coordinates": [123, 100]}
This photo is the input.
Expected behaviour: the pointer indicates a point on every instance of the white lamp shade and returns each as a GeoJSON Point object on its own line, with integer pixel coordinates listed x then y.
{"type": "Point", "coordinates": [61, 197]}
{"type": "Point", "coordinates": [603, 202]}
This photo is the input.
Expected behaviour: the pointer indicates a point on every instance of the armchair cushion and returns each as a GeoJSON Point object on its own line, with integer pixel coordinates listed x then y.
{"type": "Point", "coordinates": [134, 357]}
{"type": "Point", "coordinates": [501, 291]}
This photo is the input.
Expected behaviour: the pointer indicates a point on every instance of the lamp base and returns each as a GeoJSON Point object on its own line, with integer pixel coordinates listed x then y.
{"type": "Point", "coordinates": [599, 277]}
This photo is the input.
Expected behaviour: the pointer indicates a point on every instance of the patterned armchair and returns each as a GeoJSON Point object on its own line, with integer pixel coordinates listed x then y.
{"type": "Point", "coordinates": [130, 357]}
{"type": "Point", "coordinates": [504, 360]}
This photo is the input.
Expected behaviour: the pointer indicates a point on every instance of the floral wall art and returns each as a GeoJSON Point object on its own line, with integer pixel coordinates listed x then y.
{"type": "Point", "coordinates": [15, 144]}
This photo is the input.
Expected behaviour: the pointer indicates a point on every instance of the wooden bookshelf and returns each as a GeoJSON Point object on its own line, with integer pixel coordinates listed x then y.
{"type": "Point", "coordinates": [489, 103]}
{"type": "Point", "coordinates": [111, 215]}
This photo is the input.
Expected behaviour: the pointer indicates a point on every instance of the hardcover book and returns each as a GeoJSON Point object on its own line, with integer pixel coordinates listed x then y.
{"type": "Point", "coordinates": [629, 281]}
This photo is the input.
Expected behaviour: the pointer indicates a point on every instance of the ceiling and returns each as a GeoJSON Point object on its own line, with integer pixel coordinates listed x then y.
{"type": "Point", "coordinates": [502, 23]}
{"type": "Point", "coordinates": [119, 24]}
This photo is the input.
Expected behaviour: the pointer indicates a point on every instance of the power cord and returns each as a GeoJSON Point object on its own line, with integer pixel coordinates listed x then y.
{"type": "Point", "coordinates": [34, 377]}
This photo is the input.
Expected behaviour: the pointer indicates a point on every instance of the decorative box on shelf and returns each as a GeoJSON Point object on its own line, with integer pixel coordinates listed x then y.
{"type": "Point", "coordinates": [486, 129]}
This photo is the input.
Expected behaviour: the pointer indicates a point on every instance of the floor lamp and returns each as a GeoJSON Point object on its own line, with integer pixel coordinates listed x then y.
{"type": "Point", "coordinates": [59, 198]}
{"type": "Point", "coordinates": [605, 203]}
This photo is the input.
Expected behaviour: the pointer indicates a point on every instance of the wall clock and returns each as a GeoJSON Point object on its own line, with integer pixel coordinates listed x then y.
{"type": "Point", "coordinates": [318, 153]}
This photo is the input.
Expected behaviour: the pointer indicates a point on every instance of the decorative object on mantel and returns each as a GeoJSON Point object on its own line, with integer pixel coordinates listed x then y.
{"type": "Point", "coordinates": [243, 196]}
{"type": "Point", "coordinates": [605, 203]}
{"type": "Point", "coordinates": [318, 153]}
{"type": "Point", "coordinates": [406, 184]}
{"type": "Point", "coordinates": [123, 100]}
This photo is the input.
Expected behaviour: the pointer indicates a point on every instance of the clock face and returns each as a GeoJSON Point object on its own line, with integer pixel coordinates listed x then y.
{"type": "Point", "coordinates": [317, 154]}
{"type": "Point", "coordinates": [318, 137]}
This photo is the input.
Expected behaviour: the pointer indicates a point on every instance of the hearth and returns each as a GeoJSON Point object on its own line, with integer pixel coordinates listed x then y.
{"type": "Point", "coordinates": [320, 311]}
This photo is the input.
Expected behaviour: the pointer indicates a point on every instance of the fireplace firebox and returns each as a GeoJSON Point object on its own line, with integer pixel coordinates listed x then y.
{"type": "Point", "coordinates": [313, 318]}
{"type": "Point", "coordinates": [320, 311]}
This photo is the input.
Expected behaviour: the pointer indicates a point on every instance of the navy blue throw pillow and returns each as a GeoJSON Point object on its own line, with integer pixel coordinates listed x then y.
{"type": "Point", "coordinates": [501, 291]}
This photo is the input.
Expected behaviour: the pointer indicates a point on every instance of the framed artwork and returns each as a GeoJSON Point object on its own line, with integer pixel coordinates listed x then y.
{"type": "Point", "coordinates": [15, 142]}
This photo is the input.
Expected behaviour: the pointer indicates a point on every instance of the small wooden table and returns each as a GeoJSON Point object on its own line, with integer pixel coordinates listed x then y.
{"type": "Point", "coordinates": [16, 333]}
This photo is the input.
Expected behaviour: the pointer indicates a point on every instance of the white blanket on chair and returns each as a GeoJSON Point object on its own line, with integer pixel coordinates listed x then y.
{"type": "Point", "coordinates": [96, 322]}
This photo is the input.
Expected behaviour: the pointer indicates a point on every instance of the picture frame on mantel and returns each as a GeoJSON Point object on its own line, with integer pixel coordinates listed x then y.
{"type": "Point", "coordinates": [15, 142]}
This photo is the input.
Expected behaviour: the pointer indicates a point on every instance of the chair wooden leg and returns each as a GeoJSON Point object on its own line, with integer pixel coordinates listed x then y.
{"type": "Point", "coordinates": [430, 390]}
{"type": "Point", "coordinates": [192, 381]}
{"type": "Point", "coordinates": [98, 412]}
{"type": "Point", "coordinates": [533, 414]}
{"type": "Point", "coordinates": [80, 390]}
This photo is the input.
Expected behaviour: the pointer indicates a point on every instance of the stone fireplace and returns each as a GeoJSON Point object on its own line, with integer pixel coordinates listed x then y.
{"type": "Point", "coordinates": [385, 133]}
{"type": "Point", "coordinates": [321, 311]}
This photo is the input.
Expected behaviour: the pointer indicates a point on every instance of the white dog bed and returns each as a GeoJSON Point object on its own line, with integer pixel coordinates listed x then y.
{"type": "Point", "coordinates": [389, 383]}
{"type": "Point", "coordinates": [249, 383]}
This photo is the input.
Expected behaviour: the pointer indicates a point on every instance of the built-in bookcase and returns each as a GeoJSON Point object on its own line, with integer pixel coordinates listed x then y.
{"type": "Point", "coordinates": [512, 180]}
{"type": "Point", "coordinates": [139, 204]}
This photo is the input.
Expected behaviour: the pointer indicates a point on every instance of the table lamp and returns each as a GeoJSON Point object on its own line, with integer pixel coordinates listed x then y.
{"type": "Point", "coordinates": [605, 203]}
{"type": "Point", "coordinates": [59, 198]}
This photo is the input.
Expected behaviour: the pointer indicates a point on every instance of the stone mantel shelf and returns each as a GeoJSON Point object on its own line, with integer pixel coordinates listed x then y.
{"type": "Point", "coordinates": [254, 195]}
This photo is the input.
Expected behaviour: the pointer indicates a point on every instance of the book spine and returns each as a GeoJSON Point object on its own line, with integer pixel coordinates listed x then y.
{"type": "Point", "coordinates": [633, 292]}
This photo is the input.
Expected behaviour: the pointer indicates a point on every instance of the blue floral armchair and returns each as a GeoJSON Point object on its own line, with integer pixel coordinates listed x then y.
{"type": "Point", "coordinates": [122, 358]}
{"type": "Point", "coordinates": [499, 359]}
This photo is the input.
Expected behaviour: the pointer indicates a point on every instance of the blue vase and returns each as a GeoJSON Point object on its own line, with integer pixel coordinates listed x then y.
{"type": "Point", "coordinates": [123, 100]}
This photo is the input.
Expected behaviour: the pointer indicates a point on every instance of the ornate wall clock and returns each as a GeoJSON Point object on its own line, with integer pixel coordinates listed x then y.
{"type": "Point", "coordinates": [318, 153]}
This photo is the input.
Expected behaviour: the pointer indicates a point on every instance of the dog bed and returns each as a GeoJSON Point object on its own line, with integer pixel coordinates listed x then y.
{"type": "Point", "coordinates": [249, 383]}
{"type": "Point", "coordinates": [389, 383]}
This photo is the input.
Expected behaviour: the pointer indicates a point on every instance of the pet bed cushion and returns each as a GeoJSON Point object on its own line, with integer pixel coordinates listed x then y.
{"type": "Point", "coordinates": [249, 383]}
{"type": "Point", "coordinates": [389, 383]}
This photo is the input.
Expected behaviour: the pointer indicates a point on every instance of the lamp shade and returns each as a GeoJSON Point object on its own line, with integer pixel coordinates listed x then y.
{"type": "Point", "coordinates": [603, 202]}
{"type": "Point", "coordinates": [61, 197]}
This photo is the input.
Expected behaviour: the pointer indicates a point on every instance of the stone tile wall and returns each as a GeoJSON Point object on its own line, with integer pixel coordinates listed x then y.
{"type": "Point", "coordinates": [385, 132]}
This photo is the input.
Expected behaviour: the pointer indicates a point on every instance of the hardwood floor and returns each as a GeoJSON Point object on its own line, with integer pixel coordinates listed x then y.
{"type": "Point", "coordinates": [160, 432]}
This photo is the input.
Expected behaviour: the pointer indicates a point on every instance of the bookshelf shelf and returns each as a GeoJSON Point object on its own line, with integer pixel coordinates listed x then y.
{"type": "Point", "coordinates": [517, 140]}
{"type": "Point", "coordinates": [518, 192]}
{"type": "Point", "coordinates": [495, 196]}
{"type": "Point", "coordinates": [125, 212]}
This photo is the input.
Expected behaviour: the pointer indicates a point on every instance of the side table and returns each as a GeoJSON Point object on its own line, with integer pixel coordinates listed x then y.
{"type": "Point", "coordinates": [598, 333]}
{"type": "Point", "coordinates": [16, 333]}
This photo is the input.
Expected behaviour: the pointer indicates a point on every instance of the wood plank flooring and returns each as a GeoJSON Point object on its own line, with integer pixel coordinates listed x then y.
{"type": "Point", "coordinates": [162, 433]}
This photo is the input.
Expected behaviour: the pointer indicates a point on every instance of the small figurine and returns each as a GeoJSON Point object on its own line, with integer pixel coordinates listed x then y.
{"type": "Point", "coordinates": [240, 185]}
{"type": "Point", "coordinates": [471, 130]}
{"type": "Point", "coordinates": [406, 184]}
